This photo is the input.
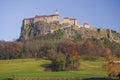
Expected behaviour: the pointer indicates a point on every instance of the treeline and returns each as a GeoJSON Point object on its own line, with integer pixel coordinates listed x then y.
{"type": "Point", "coordinates": [10, 50]}
{"type": "Point", "coordinates": [65, 54]}
{"type": "Point", "coordinates": [87, 49]}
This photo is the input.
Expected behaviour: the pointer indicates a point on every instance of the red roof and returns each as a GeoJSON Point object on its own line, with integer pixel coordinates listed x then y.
{"type": "Point", "coordinates": [28, 18]}
{"type": "Point", "coordinates": [37, 16]}
{"type": "Point", "coordinates": [56, 15]}
{"type": "Point", "coordinates": [66, 17]}
{"type": "Point", "coordinates": [85, 23]}
{"type": "Point", "coordinates": [72, 18]}
{"type": "Point", "coordinates": [46, 15]}
{"type": "Point", "coordinates": [69, 18]}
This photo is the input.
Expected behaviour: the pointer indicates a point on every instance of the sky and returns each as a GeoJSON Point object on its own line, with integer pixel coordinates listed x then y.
{"type": "Point", "coordinates": [98, 13]}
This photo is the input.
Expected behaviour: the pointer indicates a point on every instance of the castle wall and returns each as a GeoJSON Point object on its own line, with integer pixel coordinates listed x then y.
{"type": "Point", "coordinates": [56, 18]}
{"type": "Point", "coordinates": [73, 22]}
{"type": "Point", "coordinates": [49, 19]}
{"type": "Point", "coordinates": [27, 21]}
{"type": "Point", "coordinates": [66, 20]}
{"type": "Point", "coordinates": [43, 19]}
{"type": "Point", "coordinates": [36, 20]}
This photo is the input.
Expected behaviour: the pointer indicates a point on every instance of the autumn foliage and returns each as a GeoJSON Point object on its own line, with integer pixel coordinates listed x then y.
{"type": "Point", "coordinates": [88, 49]}
{"type": "Point", "coordinates": [10, 50]}
{"type": "Point", "coordinates": [65, 54]}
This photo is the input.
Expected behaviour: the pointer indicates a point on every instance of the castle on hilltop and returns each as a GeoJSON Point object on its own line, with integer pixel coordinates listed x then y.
{"type": "Point", "coordinates": [41, 25]}
{"type": "Point", "coordinates": [52, 18]}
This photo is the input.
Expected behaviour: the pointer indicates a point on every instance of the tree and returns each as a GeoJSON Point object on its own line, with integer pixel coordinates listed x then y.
{"type": "Point", "coordinates": [59, 62]}
{"type": "Point", "coordinates": [111, 65]}
{"type": "Point", "coordinates": [69, 49]}
{"type": "Point", "coordinates": [10, 50]}
{"type": "Point", "coordinates": [73, 62]}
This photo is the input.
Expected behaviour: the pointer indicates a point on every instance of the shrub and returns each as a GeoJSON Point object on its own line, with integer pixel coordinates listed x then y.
{"type": "Point", "coordinates": [59, 62]}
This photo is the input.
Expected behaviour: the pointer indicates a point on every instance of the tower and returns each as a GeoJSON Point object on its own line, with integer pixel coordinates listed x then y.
{"type": "Point", "coordinates": [57, 13]}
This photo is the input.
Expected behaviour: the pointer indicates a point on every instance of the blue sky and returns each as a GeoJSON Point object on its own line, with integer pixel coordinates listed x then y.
{"type": "Point", "coordinates": [98, 13]}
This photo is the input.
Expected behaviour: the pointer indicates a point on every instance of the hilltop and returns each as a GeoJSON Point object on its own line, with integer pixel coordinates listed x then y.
{"type": "Point", "coordinates": [48, 24]}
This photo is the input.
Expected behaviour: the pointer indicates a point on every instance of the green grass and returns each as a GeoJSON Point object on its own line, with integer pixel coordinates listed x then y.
{"type": "Point", "coordinates": [33, 68]}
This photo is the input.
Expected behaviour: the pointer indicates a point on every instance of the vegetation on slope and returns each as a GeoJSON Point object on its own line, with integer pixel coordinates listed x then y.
{"type": "Point", "coordinates": [47, 49]}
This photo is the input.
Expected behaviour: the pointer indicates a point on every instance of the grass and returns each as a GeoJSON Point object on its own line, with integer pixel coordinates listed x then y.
{"type": "Point", "coordinates": [33, 68]}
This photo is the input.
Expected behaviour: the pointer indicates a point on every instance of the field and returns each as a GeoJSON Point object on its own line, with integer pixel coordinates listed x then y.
{"type": "Point", "coordinates": [34, 68]}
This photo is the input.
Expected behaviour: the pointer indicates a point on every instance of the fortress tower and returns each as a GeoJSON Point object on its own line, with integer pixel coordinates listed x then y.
{"type": "Point", "coordinates": [86, 25]}
{"type": "Point", "coordinates": [57, 13]}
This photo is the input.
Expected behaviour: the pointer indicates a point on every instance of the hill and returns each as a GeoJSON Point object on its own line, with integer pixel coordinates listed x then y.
{"type": "Point", "coordinates": [48, 25]}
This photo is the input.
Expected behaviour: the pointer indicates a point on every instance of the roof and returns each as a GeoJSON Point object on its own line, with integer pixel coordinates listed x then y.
{"type": "Point", "coordinates": [28, 18]}
{"type": "Point", "coordinates": [46, 15]}
{"type": "Point", "coordinates": [37, 16]}
{"type": "Point", "coordinates": [55, 15]}
{"type": "Point", "coordinates": [85, 23]}
{"type": "Point", "coordinates": [52, 16]}
{"type": "Point", "coordinates": [66, 17]}
{"type": "Point", "coordinates": [70, 18]}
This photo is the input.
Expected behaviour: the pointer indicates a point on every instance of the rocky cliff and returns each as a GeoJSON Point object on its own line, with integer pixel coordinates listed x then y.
{"type": "Point", "coordinates": [40, 28]}
{"type": "Point", "coordinates": [30, 31]}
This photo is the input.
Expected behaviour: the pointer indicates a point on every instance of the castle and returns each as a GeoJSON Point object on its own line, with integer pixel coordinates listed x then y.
{"type": "Point", "coordinates": [52, 18]}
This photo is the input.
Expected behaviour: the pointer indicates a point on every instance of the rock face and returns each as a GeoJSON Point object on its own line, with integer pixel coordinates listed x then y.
{"type": "Point", "coordinates": [92, 32]}
{"type": "Point", "coordinates": [34, 30]}
{"type": "Point", "coordinates": [40, 28]}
